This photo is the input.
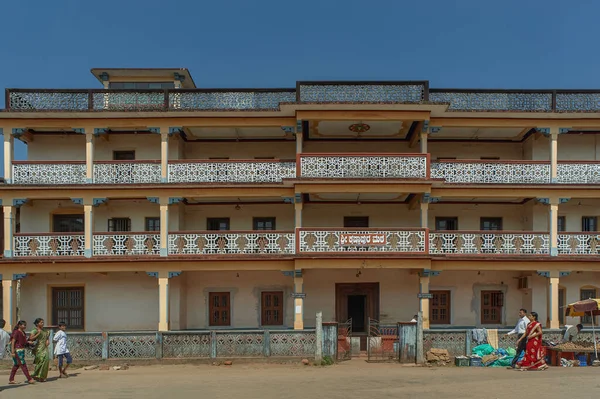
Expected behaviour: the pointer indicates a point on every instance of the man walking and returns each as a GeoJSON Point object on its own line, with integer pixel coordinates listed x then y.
{"type": "Point", "coordinates": [520, 330]}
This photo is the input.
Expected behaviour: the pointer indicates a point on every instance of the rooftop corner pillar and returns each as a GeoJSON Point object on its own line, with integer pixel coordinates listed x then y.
{"type": "Point", "coordinates": [8, 308]}
{"type": "Point", "coordinates": [298, 300]}
{"type": "Point", "coordinates": [8, 154]}
{"type": "Point", "coordinates": [9, 229]}
{"type": "Point", "coordinates": [89, 155]}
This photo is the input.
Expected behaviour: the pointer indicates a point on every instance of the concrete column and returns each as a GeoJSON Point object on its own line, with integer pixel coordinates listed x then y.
{"type": "Point", "coordinates": [298, 214]}
{"type": "Point", "coordinates": [9, 229]}
{"type": "Point", "coordinates": [89, 155]}
{"type": "Point", "coordinates": [424, 302]}
{"type": "Point", "coordinates": [299, 141]}
{"type": "Point", "coordinates": [554, 131]}
{"type": "Point", "coordinates": [553, 309]}
{"type": "Point", "coordinates": [424, 214]}
{"type": "Point", "coordinates": [164, 154]}
{"type": "Point", "coordinates": [553, 226]}
{"type": "Point", "coordinates": [8, 154]}
{"type": "Point", "coordinates": [164, 226]}
{"type": "Point", "coordinates": [423, 141]}
{"type": "Point", "coordinates": [88, 221]}
{"type": "Point", "coordinates": [298, 302]}
{"type": "Point", "coordinates": [163, 301]}
{"type": "Point", "coordinates": [8, 308]}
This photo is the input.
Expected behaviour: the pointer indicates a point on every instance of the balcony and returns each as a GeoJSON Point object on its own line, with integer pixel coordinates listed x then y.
{"type": "Point", "coordinates": [127, 172]}
{"type": "Point", "coordinates": [126, 244]}
{"type": "Point", "coordinates": [514, 172]}
{"type": "Point", "coordinates": [48, 245]}
{"type": "Point", "coordinates": [488, 243]}
{"type": "Point", "coordinates": [231, 171]}
{"type": "Point", "coordinates": [48, 172]}
{"type": "Point", "coordinates": [232, 242]}
{"type": "Point", "coordinates": [407, 241]}
{"type": "Point", "coordinates": [364, 166]}
{"type": "Point", "coordinates": [582, 243]}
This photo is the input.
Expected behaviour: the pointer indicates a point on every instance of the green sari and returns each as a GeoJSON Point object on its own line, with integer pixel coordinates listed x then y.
{"type": "Point", "coordinates": [40, 351]}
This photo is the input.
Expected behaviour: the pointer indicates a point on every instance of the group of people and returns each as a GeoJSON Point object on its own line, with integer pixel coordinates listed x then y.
{"type": "Point", "coordinates": [529, 343]}
{"type": "Point", "coordinates": [37, 341]}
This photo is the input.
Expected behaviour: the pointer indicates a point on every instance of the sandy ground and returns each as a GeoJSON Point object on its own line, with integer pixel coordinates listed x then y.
{"type": "Point", "coordinates": [353, 379]}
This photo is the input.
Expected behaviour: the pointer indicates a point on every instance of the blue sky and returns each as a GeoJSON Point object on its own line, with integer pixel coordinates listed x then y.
{"type": "Point", "coordinates": [236, 43]}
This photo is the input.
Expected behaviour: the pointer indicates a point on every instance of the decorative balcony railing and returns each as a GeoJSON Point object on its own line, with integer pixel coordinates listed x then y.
{"type": "Point", "coordinates": [126, 243]}
{"type": "Point", "coordinates": [362, 166]}
{"type": "Point", "coordinates": [362, 92]}
{"type": "Point", "coordinates": [48, 244]}
{"type": "Point", "coordinates": [579, 243]}
{"type": "Point", "coordinates": [495, 172]}
{"type": "Point", "coordinates": [127, 172]}
{"type": "Point", "coordinates": [364, 240]}
{"type": "Point", "coordinates": [578, 172]}
{"type": "Point", "coordinates": [48, 172]}
{"type": "Point", "coordinates": [231, 242]}
{"type": "Point", "coordinates": [230, 171]}
{"type": "Point", "coordinates": [489, 243]}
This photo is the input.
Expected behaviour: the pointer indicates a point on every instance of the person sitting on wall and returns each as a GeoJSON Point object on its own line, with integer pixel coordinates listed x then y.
{"type": "Point", "coordinates": [572, 332]}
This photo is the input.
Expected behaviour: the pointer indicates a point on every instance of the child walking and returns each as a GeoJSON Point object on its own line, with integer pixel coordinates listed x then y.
{"type": "Point", "coordinates": [18, 343]}
{"type": "Point", "coordinates": [61, 350]}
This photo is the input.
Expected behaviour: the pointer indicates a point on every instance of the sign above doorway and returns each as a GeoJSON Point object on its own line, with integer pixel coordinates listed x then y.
{"type": "Point", "coordinates": [362, 239]}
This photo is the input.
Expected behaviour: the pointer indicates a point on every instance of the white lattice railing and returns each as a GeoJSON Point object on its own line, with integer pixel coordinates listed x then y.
{"type": "Point", "coordinates": [121, 243]}
{"type": "Point", "coordinates": [585, 172]}
{"type": "Point", "coordinates": [45, 172]}
{"type": "Point", "coordinates": [495, 172]}
{"type": "Point", "coordinates": [231, 171]}
{"type": "Point", "coordinates": [361, 166]}
{"type": "Point", "coordinates": [59, 244]}
{"type": "Point", "coordinates": [364, 240]}
{"type": "Point", "coordinates": [579, 243]}
{"type": "Point", "coordinates": [231, 242]}
{"type": "Point", "coordinates": [489, 242]}
{"type": "Point", "coordinates": [127, 172]}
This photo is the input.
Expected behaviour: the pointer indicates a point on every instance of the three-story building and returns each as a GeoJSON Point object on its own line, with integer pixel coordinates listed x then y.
{"type": "Point", "coordinates": [152, 204]}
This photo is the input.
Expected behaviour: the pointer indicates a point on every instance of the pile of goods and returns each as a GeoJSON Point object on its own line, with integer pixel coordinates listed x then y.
{"type": "Point", "coordinates": [575, 346]}
{"type": "Point", "coordinates": [438, 357]}
{"type": "Point", "coordinates": [491, 357]}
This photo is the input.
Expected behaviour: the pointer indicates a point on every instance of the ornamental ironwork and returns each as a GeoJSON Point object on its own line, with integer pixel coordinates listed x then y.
{"type": "Point", "coordinates": [134, 172]}
{"type": "Point", "coordinates": [229, 100]}
{"type": "Point", "coordinates": [341, 240]}
{"type": "Point", "coordinates": [362, 93]}
{"type": "Point", "coordinates": [48, 245]}
{"type": "Point", "coordinates": [578, 102]}
{"type": "Point", "coordinates": [132, 345]}
{"type": "Point", "coordinates": [124, 244]}
{"type": "Point", "coordinates": [578, 173]}
{"type": "Point", "coordinates": [48, 173]}
{"type": "Point", "coordinates": [26, 100]}
{"type": "Point", "coordinates": [126, 101]}
{"type": "Point", "coordinates": [86, 346]}
{"type": "Point", "coordinates": [499, 101]}
{"type": "Point", "coordinates": [290, 343]}
{"type": "Point", "coordinates": [492, 172]}
{"type": "Point", "coordinates": [578, 244]}
{"type": "Point", "coordinates": [360, 167]}
{"type": "Point", "coordinates": [232, 243]}
{"type": "Point", "coordinates": [186, 345]}
{"type": "Point", "coordinates": [495, 243]}
{"type": "Point", "coordinates": [240, 344]}
{"type": "Point", "coordinates": [231, 172]}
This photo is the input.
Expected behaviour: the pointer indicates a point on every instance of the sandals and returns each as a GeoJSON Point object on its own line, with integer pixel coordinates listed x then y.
{"type": "Point", "coordinates": [13, 383]}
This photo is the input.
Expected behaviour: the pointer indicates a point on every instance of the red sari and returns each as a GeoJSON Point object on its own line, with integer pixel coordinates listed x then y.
{"type": "Point", "coordinates": [535, 353]}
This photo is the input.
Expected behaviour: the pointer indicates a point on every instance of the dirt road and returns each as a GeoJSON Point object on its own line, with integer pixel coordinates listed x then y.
{"type": "Point", "coordinates": [354, 379]}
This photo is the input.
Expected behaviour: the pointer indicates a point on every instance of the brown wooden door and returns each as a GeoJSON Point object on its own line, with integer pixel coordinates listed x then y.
{"type": "Point", "coordinates": [351, 293]}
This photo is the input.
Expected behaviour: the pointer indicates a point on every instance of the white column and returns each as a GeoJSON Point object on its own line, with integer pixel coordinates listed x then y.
{"type": "Point", "coordinates": [424, 301]}
{"type": "Point", "coordinates": [424, 212]}
{"type": "Point", "coordinates": [89, 155]}
{"type": "Point", "coordinates": [553, 308]}
{"type": "Point", "coordinates": [164, 154]}
{"type": "Point", "coordinates": [88, 221]}
{"type": "Point", "coordinates": [163, 300]}
{"type": "Point", "coordinates": [164, 226]}
{"type": "Point", "coordinates": [554, 131]}
{"type": "Point", "coordinates": [8, 308]}
{"type": "Point", "coordinates": [298, 302]}
{"type": "Point", "coordinates": [8, 154]}
{"type": "Point", "coordinates": [9, 229]}
{"type": "Point", "coordinates": [553, 226]}
{"type": "Point", "coordinates": [424, 134]}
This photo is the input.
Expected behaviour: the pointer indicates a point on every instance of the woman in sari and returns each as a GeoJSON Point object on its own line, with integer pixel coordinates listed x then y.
{"type": "Point", "coordinates": [534, 357]}
{"type": "Point", "coordinates": [41, 360]}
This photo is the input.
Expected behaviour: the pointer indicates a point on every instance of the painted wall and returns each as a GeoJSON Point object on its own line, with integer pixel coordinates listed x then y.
{"type": "Point", "coordinates": [196, 215]}
{"type": "Point", "coordinates": [582, 147]}
{"type": "Point", "coordinates": [474, 150]}
{"type": "Point", "coordinates": [240, 150]}
{"type": "Point", "coordinates": [514, 217]}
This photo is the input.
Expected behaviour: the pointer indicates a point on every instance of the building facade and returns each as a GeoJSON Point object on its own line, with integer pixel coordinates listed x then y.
{"type": "Point", "coordinates": [152, 204]}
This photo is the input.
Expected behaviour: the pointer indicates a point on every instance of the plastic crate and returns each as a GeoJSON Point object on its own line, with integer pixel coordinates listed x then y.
{"type": "Point", "coordinates": [475, 361]}
{"type": "Point", "coordinates": [462, 361]}
{"type": "Point", "coordinates": [582, 360]}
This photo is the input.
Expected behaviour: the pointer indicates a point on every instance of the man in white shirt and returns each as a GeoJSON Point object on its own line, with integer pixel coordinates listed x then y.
{"type": "Point", "coordinates": [520, 330]}
{"type": "Point", "coordinates": [572, 332]}
{"type": "Point", "coordinates": [4, 339]}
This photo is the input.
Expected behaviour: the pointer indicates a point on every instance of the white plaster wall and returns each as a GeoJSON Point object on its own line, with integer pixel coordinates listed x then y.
{"type": "Point", "coordinates": [245, 292]}
{"type": "Point", "coordinates": [57, 148]}
{"type": "Point", "coordinates": [474, 150]}
{"type": "Point", "coordinates": [115, 302]}
{"type": "Point", "coordinates": [240, 150]}
{"type": "Point", "coordinates": [37, 216]}
{"type": "Point", "coordinates": [582, 147]}
{"type": "Point", "coordinates": [196, 215]}
{"type": "Point", "coordinates": [514, 217]}
{"type": "Point", "coordinates": [332, 215]}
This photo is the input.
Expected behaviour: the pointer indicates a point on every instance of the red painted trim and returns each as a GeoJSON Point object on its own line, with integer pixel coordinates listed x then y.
{"type": "Point", "coordinates": [179, 161]}
{"type": "Point", "coordinates": [579, 162]}
{"type": "Point", "coordinates": [137, 161]}
{"type": "Point", "coordinates": [47, 234]}
{"type": "Point", "coordinates": [361, 154]}
{"type": "Point", "coordinates": [498, 161]}
{"type": "Point", "coordinates": [427, 241]}
{"type": "Point", "coordinates": [428, 166]}
{"type": "Point", "coordinates": [232, 232]}
{"type": "Point", "coordinates": [298, 166]}
{"type": "Point", "coordinates": [48, 162]}
{"type": "Point", "coordinates": [125, 233]}
{"type": "Point", "coordinates": [588, 233]}
{"type": "Point", "coordinates": [343, 230]}
{"type": "Point", "coordinates": [488, 231]}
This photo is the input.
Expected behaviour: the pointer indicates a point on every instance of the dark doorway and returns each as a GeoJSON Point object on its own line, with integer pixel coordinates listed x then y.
{"type": "Point", "coordinates": [357, 311]}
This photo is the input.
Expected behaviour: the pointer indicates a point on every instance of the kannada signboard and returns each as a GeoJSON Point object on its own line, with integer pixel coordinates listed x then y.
{"type": "Point", "coordinates": [300, 295]}
{"type": "Point", "coordinates": [424, 296]}
{"type": "Point", "coordinates": [368, 239]}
